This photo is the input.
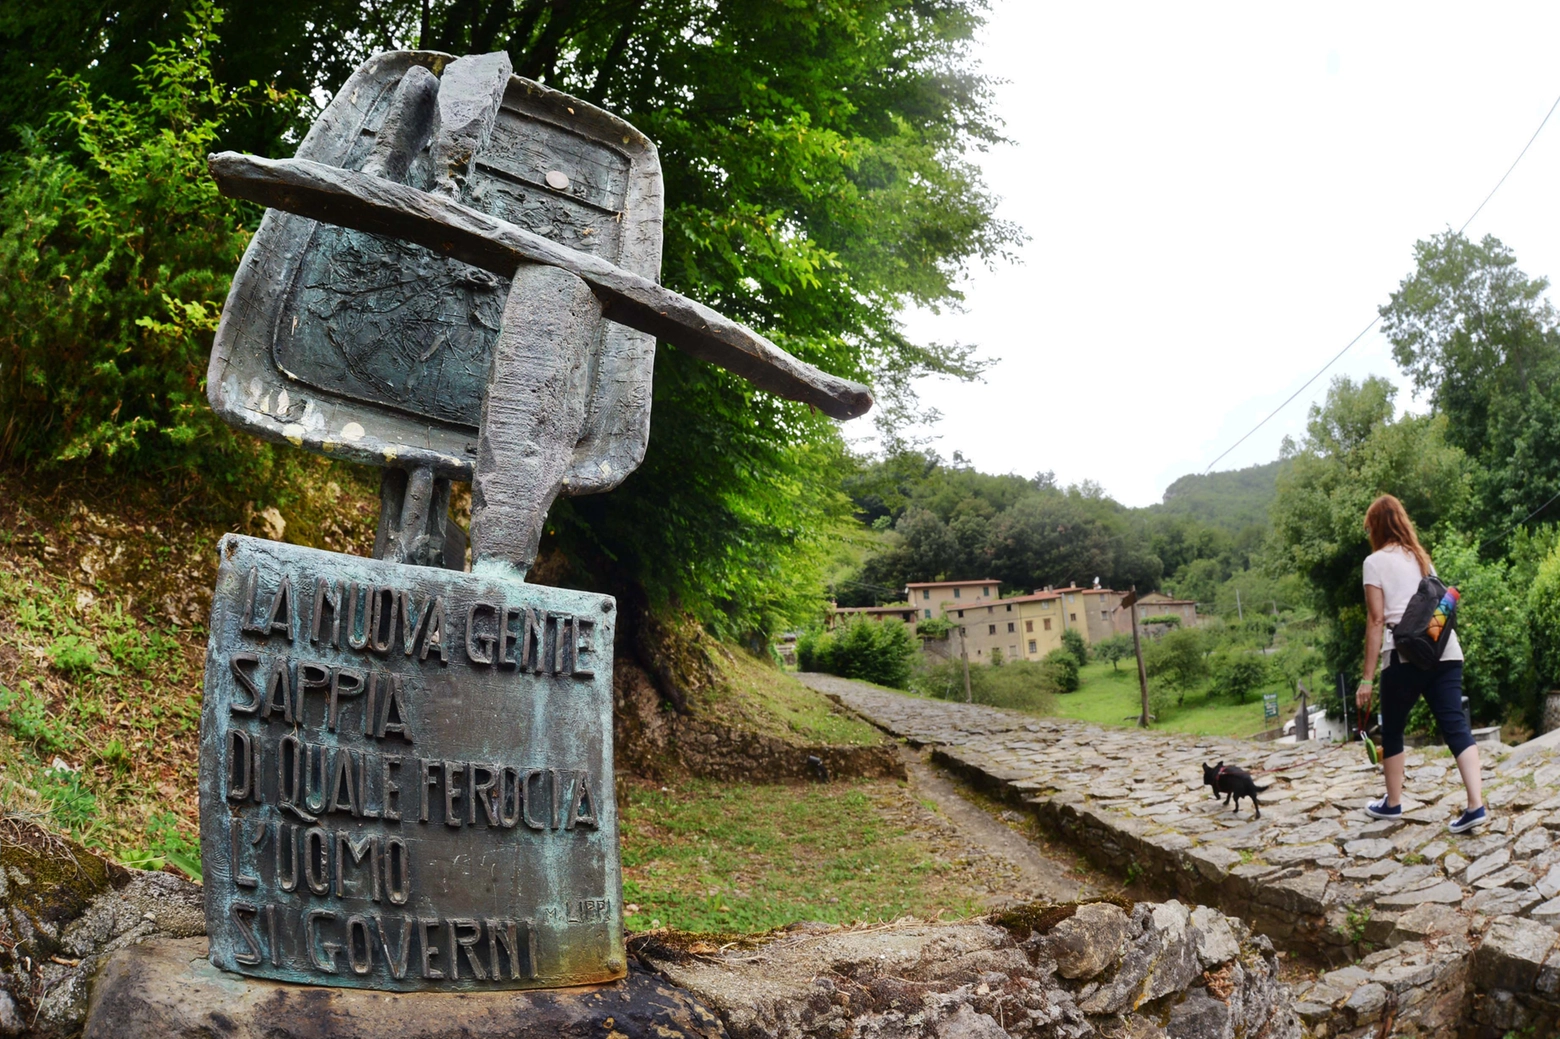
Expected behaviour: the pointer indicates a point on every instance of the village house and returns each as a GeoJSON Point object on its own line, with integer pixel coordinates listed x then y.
{"type": "Point", "coordinates": [1158, 604]}
{"type": "Point", "coordinates": [934, 598]}
{"type": "Point", "coordinates": [900, 612]}
{"type": "Point", "coordinates": [1024, 627]}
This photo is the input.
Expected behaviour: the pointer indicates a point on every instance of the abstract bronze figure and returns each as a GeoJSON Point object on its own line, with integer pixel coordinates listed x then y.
{"type": "Point", "coordinates": [406, 769]}
{"type": "Point", "coordinates": [501, 233]}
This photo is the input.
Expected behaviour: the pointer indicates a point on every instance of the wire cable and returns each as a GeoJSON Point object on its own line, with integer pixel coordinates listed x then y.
{"type": "Point", "coordinates": [1377, 319]}
{"type": "Point", "coordinates": [1519, 522]}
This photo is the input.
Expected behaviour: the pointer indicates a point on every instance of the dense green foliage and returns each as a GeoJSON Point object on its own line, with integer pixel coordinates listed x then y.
{"type": "Point", "coordinates": [873, 651]}
{"type": "Point", "coordinates": [946, 521]}
{"type": "Point", "coordinates": [1023, 685]}
{"type": "Point", "coordinates": [1354, 451]}
{"type": "Point", "coordinates": [115, 255]}
{"type": "Point", "coordinates": [818, 178]}
{"type": "Point", "coordinates": [1234, 501]}
{"type": "Point", "coordinates": [1177, 661]}
{"type": "Point", "coordinates": [943, 520]}
{"type": "Point", "coordinates": [1074, 642]}
{"type": "Point", "coordinates": [1114, 649]}
{"type": "Point", "coordinates": [1479, 335]}
{"type": "Point", "coordinates": [1239, 673]}
{"type": "Point", "coordinates": [1059, 668]}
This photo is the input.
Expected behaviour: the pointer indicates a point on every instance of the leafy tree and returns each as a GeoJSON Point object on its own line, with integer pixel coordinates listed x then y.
{"type": "Point", "coordinates": [1177, 661]}
{"type": "Point", "coordinates": [1354, 450]}
{"type": "Point", "coordinates": [1074, 643]}
{"type": "Point", "coordinates": [1543, 604]}
{"type": "Point", "coordinates": [1060, 669]}
{"type": "Point", "coordinates": [1297, 661]}
{"type": "Point", "coordinates": [1239, 673]}
{"type": "Point", "coordinates": [1114, 649]}
{"type": "Point", "coordinates": [1023, 685]}
{"type": "Point", "coordinates": [819, 177]}
{"type": "Point", "coordinates": [1198, 580]}
{"type": "Point", "coordinates": [873, 651]}
{"type": "Point", "coordinates": [1476, 332]}
{"type": "Point", "coordinates": [115, 255]}
{"type": "Point", "coordinates": [1492, 629]}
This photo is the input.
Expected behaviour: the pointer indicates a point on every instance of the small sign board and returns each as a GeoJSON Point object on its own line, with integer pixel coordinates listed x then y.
{"type": "Point", "coordinates": [406, 776]}
{"type": "Point", "coordinates": [1270, 706]}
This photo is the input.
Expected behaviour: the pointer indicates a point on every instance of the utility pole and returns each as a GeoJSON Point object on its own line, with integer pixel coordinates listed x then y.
{"type": "Point", "coordinates": [964, 654]}
{"type": "Point", "coordinates": [1130, 602]}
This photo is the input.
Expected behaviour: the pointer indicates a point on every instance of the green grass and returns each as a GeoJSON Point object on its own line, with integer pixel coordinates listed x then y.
{"type": "Point", "coordinates": [713, 856]}
{"type": "Point", "coordinates": [1109, 697]}
{"type": "Point", "coordinates": [758, 695]}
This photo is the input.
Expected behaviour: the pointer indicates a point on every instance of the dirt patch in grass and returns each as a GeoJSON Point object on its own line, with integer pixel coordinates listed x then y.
{"type": "Point", "coordinates": [706, 856]}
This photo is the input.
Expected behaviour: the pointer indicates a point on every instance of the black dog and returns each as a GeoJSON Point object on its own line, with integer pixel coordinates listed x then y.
{"type": "Point", "coordinates": [1235, 783]}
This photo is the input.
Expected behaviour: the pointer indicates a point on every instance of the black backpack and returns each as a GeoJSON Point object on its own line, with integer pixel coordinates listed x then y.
{"type": "Point", "coordinates": [1433, 608]}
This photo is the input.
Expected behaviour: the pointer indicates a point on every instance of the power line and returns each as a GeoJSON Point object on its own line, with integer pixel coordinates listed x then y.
{"type": "Point", "coordinates": [1373, 323]}
{"type": "Point", "coordinates": [1377, 319]}
{"type": "Point", "coordinates": [1513, 166]}
{"type": "Point", "coordinates": [1519, 522]}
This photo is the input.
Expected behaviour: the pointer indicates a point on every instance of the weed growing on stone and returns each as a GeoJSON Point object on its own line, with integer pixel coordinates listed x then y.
{"type": "Point", "coordinates": [1356, 918]}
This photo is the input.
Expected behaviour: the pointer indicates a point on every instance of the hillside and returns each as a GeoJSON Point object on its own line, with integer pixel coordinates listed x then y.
{"type": "Point", "coordinates": [1230, 501]}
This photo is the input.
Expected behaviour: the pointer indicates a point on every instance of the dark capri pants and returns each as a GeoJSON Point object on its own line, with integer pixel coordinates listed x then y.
{"type": "Point", "coordinates": [1402, 684]}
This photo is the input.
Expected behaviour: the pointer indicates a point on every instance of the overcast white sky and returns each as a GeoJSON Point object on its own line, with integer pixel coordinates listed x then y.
{"type": "Point", "coordinates": [1218, 197]}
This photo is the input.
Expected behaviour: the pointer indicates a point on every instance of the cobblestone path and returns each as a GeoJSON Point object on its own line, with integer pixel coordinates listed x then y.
{"type": "Point", "coordinates": [1423, 927]}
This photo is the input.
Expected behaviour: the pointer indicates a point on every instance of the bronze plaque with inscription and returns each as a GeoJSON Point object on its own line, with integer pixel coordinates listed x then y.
{"type": "Point", "coordinates": [406, 776]}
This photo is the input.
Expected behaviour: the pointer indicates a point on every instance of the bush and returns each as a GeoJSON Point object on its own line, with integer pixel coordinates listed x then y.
{"type": "Point", "coordinates": [1495, 628]}
{"type": "Point", "coordinates": [1240, 673]}
{"type": "Point", "coordinates": [1060, 670]}
{"type": "Point", "coordinates": [1074, 643]}
{"type": "Point", "coordinates": [1544, 609]}
{"type": "Point", "coordinates": [873, 651]}
{"type": "Point", "coordinates": [1114, 649]}
{"type": "Point", "coordinates": [1021, 685]}
{"type": "Point", "coordinates": [934, 627]}
{"type": "Point", "coordinates": [116, 251]}
{"type": "Point", "coordinates": [1169, 620]}
{"type": "Point", "coordinates": [1177, 662]}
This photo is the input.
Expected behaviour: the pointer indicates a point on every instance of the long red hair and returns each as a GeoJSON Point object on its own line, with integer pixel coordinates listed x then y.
{"type": "Point", "coordinates": [1388, 524]}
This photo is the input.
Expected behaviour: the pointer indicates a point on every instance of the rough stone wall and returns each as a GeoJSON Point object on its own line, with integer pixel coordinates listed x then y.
{"type": "Point", "coordinates": [63, 912]}
{"type": "Point", "coordinates": [1073, 972]}
{"type": "Point", "coordinates": [651, 740]}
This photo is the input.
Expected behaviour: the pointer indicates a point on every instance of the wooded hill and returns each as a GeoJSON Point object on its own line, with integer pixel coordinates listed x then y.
{"type": "Point", "coordinates": [940, 520]}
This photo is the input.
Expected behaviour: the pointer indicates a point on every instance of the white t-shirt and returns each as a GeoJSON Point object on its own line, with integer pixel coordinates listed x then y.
{"type": "Point", "coordinates": [1396, 572]}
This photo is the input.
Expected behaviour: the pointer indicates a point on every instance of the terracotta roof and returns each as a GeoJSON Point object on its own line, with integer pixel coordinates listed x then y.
{"type": "Point", "coordinates": [904, 608]}
{"type": "Point", "coordinates": [949, 584]}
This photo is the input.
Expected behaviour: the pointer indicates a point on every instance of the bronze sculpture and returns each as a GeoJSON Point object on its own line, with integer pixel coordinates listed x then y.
{"type": "Point", "coordinates": [406, 770]}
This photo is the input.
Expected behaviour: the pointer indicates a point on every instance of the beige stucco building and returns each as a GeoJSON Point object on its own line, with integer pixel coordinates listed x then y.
{"type": "Point", "coordinates": [934, 598]}
{"type": "Point", "coordinates": [1025, 627]}
{"type": "Point", "coordinates": [1157, 604]}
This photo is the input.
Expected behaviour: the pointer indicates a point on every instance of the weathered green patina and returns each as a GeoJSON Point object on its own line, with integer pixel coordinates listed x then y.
{"type": "Point", "coordinates": [406, 776]}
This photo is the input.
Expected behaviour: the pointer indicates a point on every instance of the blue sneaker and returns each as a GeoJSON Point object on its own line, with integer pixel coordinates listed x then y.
{"type": "Point", "coordinates": [1469, 819]}
{"type": "Point", "coordinates": [1379, 810]}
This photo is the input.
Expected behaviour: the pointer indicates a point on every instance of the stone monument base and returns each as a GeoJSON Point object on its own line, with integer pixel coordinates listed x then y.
{"type": "Point", "coordinates": [167, 989]}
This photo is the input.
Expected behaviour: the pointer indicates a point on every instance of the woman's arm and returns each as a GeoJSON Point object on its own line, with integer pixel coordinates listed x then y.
{"type": "Point", "coordinates": [1375, 626]}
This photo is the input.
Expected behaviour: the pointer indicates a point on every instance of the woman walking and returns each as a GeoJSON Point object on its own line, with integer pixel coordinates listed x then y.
{"type": "Point", "coordinates": [1392, 573]}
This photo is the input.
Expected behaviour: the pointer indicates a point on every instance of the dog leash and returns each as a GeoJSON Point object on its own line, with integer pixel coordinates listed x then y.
{"type": "Point", "coordinates": [1370, 746]}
